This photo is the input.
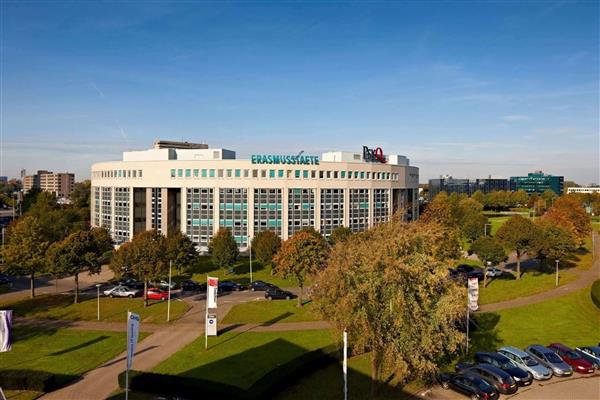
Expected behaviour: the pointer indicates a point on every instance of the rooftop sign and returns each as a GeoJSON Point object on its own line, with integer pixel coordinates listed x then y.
{"type": "Point", "coordinates": [373, 155]}
{"type": "Point", "coordinates": [284, 159]}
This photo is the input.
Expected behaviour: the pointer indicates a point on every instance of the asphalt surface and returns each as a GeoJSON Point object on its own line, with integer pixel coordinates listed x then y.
{"type": "Point", "coordinates": [577, 387]}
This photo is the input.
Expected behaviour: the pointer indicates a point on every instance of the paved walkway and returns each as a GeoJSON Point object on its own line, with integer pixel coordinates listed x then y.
{"type": "Point", "coordinates": [584, 279]}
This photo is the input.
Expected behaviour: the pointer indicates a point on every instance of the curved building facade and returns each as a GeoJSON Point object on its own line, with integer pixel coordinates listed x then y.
{"type": "Point", "coordinates": [188, 187]}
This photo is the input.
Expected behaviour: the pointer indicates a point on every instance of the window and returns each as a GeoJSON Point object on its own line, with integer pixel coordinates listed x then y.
{"type": "Point", "coordinates": [263, 173]}
{"type": "Point", "coordinates": [362, 175]}
{"type": "Point", "coordinates": [195, 173]}
{"type": "Point", "coordinates": [368, 175]}
{"type": "Point", "coordinates": [179, 173]}
{"type": "Point", "coordinates": [219, 173]}
{"type": "Point", "coordinates": [229, 172]}
{"type": "Point", "coordinates": [211, 173]}
{"type": "Point", "coordinates": [238, 173]}
{"type": "Point", "coordinates": [255, 173]}
{"type": "Point", "coordinates": [188, 173]}
{"type": "Point", "coordinates": [328, 174]}
{"type": "Point", "coordinates": [134, 173]}
{"type": "Point", "coordinates": [297, 173]}
{"type": "Point", "coordinates": [271, 173]}
{"type": "Point", "coordinates": [280, 173]}
{"type": "Point", "coordinates": [355, 174]}
{"type": "Point", "coordinates": [313, 174]}
{"type": "Point", "coordinates": [246, 173]}
{"type": "Point", "coordinates": [172, 173]}
{"type": "Point", "coordinates": [204, 173]}
{"type": "Point", "coordinates": [305, 174]}
{"type": "Point", "coordinates": [320, 174]}
{"type": "Point", "coordinates": [335, 174]}
{"type": "Point", "coordinates": [342, 174]}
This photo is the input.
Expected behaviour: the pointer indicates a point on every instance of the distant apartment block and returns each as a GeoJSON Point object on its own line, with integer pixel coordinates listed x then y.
{"type": "Point", "coordinates": [60, 183]}
{"type": "Point", "coordinates": [450, 185]}
{"type": "Point", "coordinates": [586, 190]}
{"type": "Point", "coordinates": [538, 182]}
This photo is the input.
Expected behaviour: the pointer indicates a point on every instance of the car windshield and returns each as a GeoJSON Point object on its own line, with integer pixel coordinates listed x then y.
{"type": "Point", "coordinates": [552, 357]}
{"type": "Point", "coordinates": [482, 385]}
{"type": "Point", "coordinates": [573, 355]}
{"type": "Point", "coordinates": [530, 362]}
{"type": "Point", "coordinates": [505, 364]}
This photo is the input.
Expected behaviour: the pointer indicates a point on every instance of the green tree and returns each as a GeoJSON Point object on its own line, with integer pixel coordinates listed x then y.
{"type": "Point", "coordinates": [301, 256]}
{"type": "Point", "coordinates": [147, 256]}
{"type": "Point", "coordinates": [265, 245]}
{"type": "Point", "coordinates": [181, 251]}
{"type": "Point", "coordinates": [472, 225]}
{"type": "Point", "coordinates": [489, 249]}
{"type": "Point", "coordinates": [519, 235]}
{"type": "Point", "coordinates": [479, 197]}
{"type": "Point", "coordinates": [519, 198]}
{"type": "Point", "coordinates": [553, 243]}
{"type": "Point", "coordinates": [24, 253]}
{"type": "Point", "coordinates": [568, 213]}
{"type": "Point", "coordinates": [549, 196]}
{"type": "Point", "coordinates": [439, 210]}
{"type": "Point", "coordinates": [79, 252]}
{"type": "Point", "coordinates": [390, 291]}
{"type": "Point", "coordinates": [80, 200]}
{"type": "Point", "coordinates": [340, 234]}
{"type": "Point", "coordinates": [223, 249]}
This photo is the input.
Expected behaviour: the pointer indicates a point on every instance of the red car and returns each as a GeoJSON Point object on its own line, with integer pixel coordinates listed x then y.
{"type": "Point", "coordinates": [572, 358]}
{"type": "Point", "coordinates": [157, 294]}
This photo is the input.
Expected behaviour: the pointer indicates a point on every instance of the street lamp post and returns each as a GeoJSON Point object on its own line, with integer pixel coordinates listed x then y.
{"type": "Point", "coordinates": [169, 299]}
{"type": "Point", "coordinates": [98, 297]}
{"type": "Point", "coordinates": [485, 229]}
{"type": "Point", "coordinates": [250, 250]}
{"type": "Point", "coordinates": [557, 261]}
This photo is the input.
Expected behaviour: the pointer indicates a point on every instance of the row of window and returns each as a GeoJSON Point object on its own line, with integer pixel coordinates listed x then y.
{"type": "Point", "coordinates": [281, 173]}
{"type": "Point", "coordinates": [118, 173]}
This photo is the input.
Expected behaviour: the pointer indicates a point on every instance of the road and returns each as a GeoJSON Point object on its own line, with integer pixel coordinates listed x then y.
{"type": "Point", "coordinates": [577, 387]}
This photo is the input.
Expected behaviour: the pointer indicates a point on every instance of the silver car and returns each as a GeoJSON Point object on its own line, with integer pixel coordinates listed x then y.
{"type": "Point", "coordinates": [550, 359]}
{"type": "Point", "coordinates": [121, 291]}
{"type": "Point", "coordinates": [526, 362]}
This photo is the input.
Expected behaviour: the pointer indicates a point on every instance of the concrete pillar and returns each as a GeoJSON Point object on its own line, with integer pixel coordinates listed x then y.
{"type": "Point", "coordinates": [164, 210]}
{"type": "Point", "coordinates": [317, 209]}
{"type": "Point", "coordinates": [346, 222]}
{"type": "Point", "coordinates": [371, 207]}
{"type": "Point", "coordinates": [148, 209]}
{"type": "Point", "coordinates": [285, 212]}
{"type": "Point", "coordinates": [112, 211]}
{"type": "Point", "coordinates": [250, 212]}
{"type": "Point", "coordinates": [183, 210]}
{"type": "Point", "coordinates": [215, 210]}
{"type": "Point", "coordinates": [131, 211]}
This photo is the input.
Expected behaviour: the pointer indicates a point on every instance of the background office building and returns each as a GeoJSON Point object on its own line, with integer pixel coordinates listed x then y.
{"type": "Point", "coordinates": [60, 184]}
{"type": "Point", "coordinates": [584, 190]}
{"type": "Point", "coordinates": [196, 189]}
{"type": "Point", "coordinates": [450, 185]}
{"type": "Point", "coordinates": [538, 182]}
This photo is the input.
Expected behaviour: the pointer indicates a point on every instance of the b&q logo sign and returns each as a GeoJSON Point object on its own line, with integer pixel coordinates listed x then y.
{"type": "Point", "coordinates": [375, 155]}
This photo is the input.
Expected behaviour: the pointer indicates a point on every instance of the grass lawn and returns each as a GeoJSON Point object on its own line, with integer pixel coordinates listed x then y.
{"type": "Point", "coordinates": [270, 311]}
{"type": "Point", "coordinates": [531, 282]}
{"type": "Point", "coordinates": [241, 273]}
{"type": "Point", "coordinates": [596, 226]}
{"type": "Point", "coordinates": [21, 394]}
{"type": "Point", "coordinates": [571, 319]}
{"type": "Point", "coordinates": [497, 222]}
{"type": "Point", "coordinates": [240, 359]}
{"type": "Point", "coordinates": [66, 352]}
{"type": "Point", "coordinates": [111, 310]}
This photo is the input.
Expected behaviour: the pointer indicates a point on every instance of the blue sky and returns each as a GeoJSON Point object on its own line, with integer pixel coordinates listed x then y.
{"type": "Point", "coordinates": [463, 88]}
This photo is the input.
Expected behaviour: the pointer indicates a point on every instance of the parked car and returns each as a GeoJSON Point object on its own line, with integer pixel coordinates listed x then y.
{"type": "Point", "coordinates": [4, 279]}
{"type": "Point", "coordinates": [520, 376]}
{"type": "Point", "coordinates": [589, 358]}
{"type": "Point", "coordinates": [526, 362]}
{"type": "Point", "coordinates": [163, 284]}
{"type": "Point", "coordinates": [230, 286]}
{"type": "Point", "coordinates": [131, 283]}
{"type": "Point", "coordinates": [500, 380]}
{"type": "Point", "coordinates": [464, 268]}
{"type": "Point", "coordinates": [157, 294]}
{"type": "Point", "coordinates": [493, 272]}
{"type": "Point", "coordinates": [574, 359]}
{"type": "Point", "coordinates": [276, 293]}
{"type": "Point", "coordinates": [476, 273]}
{"type": "Point", "coordinates": [591, 351]}
{"type": "Point", "coordinates": [193, 286]}
{"type": "Point", "coordinates": [550, 359]}
{"type": "Point", "coordinates": [261, 286]}
{"type": "Point", "coordinates": [121, 291]}
{"type": "Point", "coordinates": [469, 384]}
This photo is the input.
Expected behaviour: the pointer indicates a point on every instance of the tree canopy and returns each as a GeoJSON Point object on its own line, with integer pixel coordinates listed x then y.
{"type": "Point", "coordinates": [223, 249]}
{"type": "Point", "coordinates": [567, 212]}
{"type": "Point", "coordinates": [181, 251]}
{"type": "Point", "coordinates": [489, 249]}
{"type": "Point", "coordinates": [265, 245]}
{"type": "Point", "coordinates": [389, 288]}
{"type": "Point", "coordinates": [520, 235]}
{"type": "Point", "coordinates": [340, 234]}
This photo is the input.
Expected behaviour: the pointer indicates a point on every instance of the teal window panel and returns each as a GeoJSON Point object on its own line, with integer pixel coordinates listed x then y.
{"type": "Point", "coordinates": [195, 173]}
{"type": "Point", "coordinates": [180, 173]}
{"type": "Point", "coordinates": [297, 173]}
{"type": "Point", "coordinates": [245, 206]}
{"type": "Point", "coordinates": [364, 205]}
{"type": "Point", "coordinates": [280, 173]}
{"type": "Point", "coordinates": [343, 174]}
{"type": "Point", "coordinates": [306, 206]}
{"type": "Point", "coordinates": [238, 173]}
{"type": "Point", "coordinates": [362, 175]}
{"type": "Point", "coordinates": [172, 173]}
{"type": "Point", "coordinates": [211, 173]}
{"type": "Point", "coordinates": [355, 174]}
{"type": "Point", "coordinates": [237, 206]}
{"type": "Point", "coordinates": [305, 174]}
{"type": "Point", "coordinates": [204, 173]}
{"type": "Point", "coordinates": [188, 173]}
{"type": "Point", "coordinates": [195, 206]}
{"type": "Point", "coordinates": [297, 191]}
{"type": "Point", "coordinates": [195, 222]}
{"type": "Point", "coordinates": [271, 173]}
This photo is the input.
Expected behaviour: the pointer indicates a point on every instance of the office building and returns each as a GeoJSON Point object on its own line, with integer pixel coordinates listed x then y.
{"type": "Point", "coordinates": [199, 190]}
{"type": "Point", "coordinates": [538, 182]}
{"type": "Point", "coordinates": [450, 185]}
{"type": "Point", "coordinates": [60, 184]}
{"type": "Point", "coordinates": [584, 190]}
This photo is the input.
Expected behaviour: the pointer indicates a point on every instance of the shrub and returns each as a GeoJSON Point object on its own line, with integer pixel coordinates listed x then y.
{"type": "Point", "coordinates": [596, 293]}
{"type": "Point", "coordinates": [23, 379]}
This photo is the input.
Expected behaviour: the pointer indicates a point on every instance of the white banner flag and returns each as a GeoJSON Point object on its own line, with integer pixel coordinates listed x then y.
{"type": "Point", "coordinates": [212, 285]}
{"type": "Point", "coordinates": [5, 330]}
{"type": "Point", "coordinates": [133, 330]}
{"type": "Point", "coordinates": [473, 293]}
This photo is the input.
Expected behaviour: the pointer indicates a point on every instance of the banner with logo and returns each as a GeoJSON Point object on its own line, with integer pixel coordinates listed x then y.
{"type": "Point", "coordinates": [473, 292]}
{"type": "Point", "coordinates": [212, 286]}
{"type": "Point", "coordinates": [133, 330]}
{"type": "Point", "coordinates": [6, 319]}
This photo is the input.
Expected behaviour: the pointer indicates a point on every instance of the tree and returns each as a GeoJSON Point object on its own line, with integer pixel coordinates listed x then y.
{"type": "Point", "coordinates": [518, 234]}
{"type": "Point", "coordinates": [80, 200]}
{"type": "Point", "coordinates": [519, 198]}
{"type": "Point", "coordinates": [489, 249]}
{"type": "Point", "coordinates": [181, 250]}
{"type": "Point", "coordinates": [568, 212]}
{"type": "Point", "coordinates": [147, 257]}
{"type": "Point", "coordinates": [79, 252]}
{"type": "Point", "coordinates": [340, 234]}
{"type": "Point", "coordinates": [223, 249]}
{"type": "Point", "coordinates": [479, 197]}
{"type": "Point", "coordinates": [554, 243]}
{"type": "Point", "coordinates": [301, 256]}
{"type": "Point", "coordinates": [549, 196]}
{"type": "Point", "coordinates": [391, 293]}
{"type": "Point", "coordinates": [439, 210]}
{"type": "Point", "coordinates": [265, 245]}
{"type": "Point", "coordinates": [24, 253]}
{"type": "Point", "coordinates": [472, 224]}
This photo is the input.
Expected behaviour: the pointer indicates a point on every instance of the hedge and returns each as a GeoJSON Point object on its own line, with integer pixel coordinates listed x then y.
{"type": "Point", "coordinates": [274, 381]}
{"type": "Point", "coordinates": [596, 293]}
{"type": "Point", "coordinates": [25, 379]}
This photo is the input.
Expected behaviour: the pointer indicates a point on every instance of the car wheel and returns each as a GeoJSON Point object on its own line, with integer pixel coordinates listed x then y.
{"type": "Point", "coordinates": [474, 397]}
{"type": "Point", "coordinates": [269, 298]}
{"type": "Point", "coordinates": [287, 297]}
{"type": "Point", "coordinates": [111, 295]}
{"type": "Point", "coordinates": [445, 385]}
{"type": "Point", "coordinates": [130, 296]}
{"type": "Point", "coordinates": [254, 290]}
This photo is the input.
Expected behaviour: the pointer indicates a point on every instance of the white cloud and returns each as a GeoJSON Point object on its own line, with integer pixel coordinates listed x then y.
{"type": "Point", "coordinates": [515, 118]}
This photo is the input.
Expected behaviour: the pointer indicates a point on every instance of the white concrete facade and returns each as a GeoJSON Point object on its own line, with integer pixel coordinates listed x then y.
{"type": "Point", "coordinates": [174, 189]}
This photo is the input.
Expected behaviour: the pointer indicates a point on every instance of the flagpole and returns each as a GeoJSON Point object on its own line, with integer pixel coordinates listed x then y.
{"type": "Point", "coordinates": [467, 326]}
{"type": "Point", "coordinates": [345, 365]}
{"type": "Point", "coordinates": [127, 362]}
{"type": "Point", "coordinates": [206, 317]}
{"type": "Point", "coordinates": [169, 299]}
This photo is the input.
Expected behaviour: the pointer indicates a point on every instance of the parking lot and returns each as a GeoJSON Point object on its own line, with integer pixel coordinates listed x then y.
{"type": "Point", "coordinates": [576, 387]}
